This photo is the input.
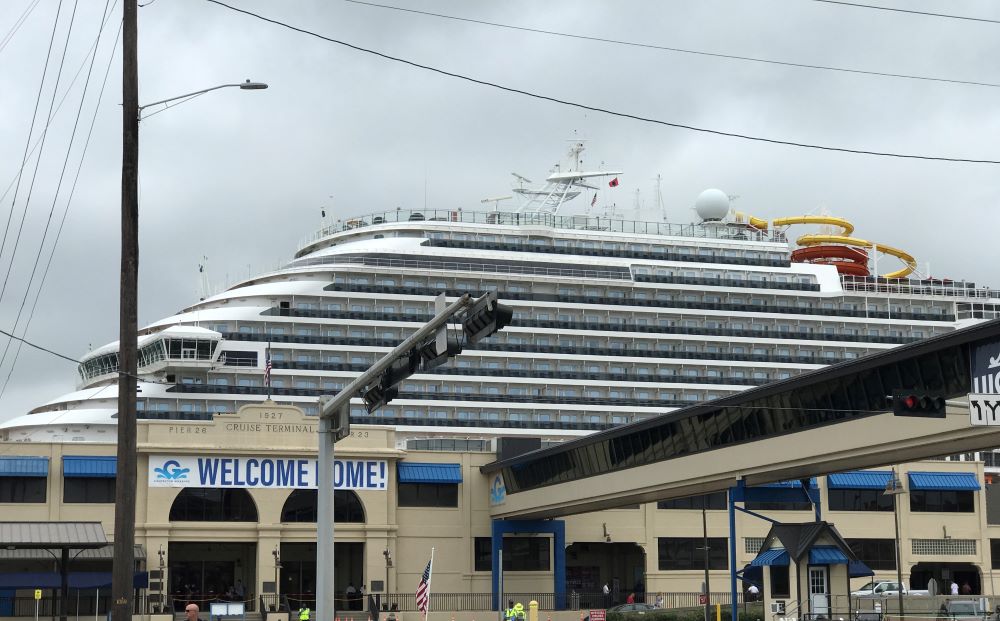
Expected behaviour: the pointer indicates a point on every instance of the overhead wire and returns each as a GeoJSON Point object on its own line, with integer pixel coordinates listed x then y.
{"type": "Point", "coordinates": [884, 74]}
{"type": "Point", "coordinates": [48, 222]}
{"type": "Point", "coordinates": [62, 100]}
{"type": "Point", "coordinates": [31, 129]}
{"type": "Point", "coordinates": [634, 117]}
{"type": "Point", "coordinates": [17, 24]}
{"type": "Point", "coordinates": [911, 11]}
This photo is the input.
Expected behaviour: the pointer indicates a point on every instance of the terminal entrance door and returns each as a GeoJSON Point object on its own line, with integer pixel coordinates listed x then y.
{"type": "Point", "coordinates": [298, 573]}
{"type": "Point", "coordinates": [199, 572]}
{"type": "Point", "coordinates": [819, 591]}
{"type": "Point", "coordinates": [591, 565]}
{"type": "Point", "coordinates": [961, 573]}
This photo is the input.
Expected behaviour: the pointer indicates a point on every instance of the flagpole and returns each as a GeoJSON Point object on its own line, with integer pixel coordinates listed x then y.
{"type": "Point", "coordinates": [267, 370]}
{"type": "Point", "coordinates": [430, 577]}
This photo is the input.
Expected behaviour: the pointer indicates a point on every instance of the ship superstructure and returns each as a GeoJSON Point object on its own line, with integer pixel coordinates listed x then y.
{"type": "Point", "coordinates": [615, 321]}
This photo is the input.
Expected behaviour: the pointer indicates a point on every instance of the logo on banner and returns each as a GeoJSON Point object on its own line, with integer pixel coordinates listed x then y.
{"type": "Point", "coordinates": [172, 471]}
{"type": "Point", "coordinates": [498, 491]}
{"type": "Point", "coordinates": [984, 400]}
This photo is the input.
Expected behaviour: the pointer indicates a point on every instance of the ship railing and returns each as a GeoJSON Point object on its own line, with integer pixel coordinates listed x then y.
{"type": "Point", "coordinates": [623, 274]}
{"type": "Point", "coordinates": [912, 286]}
{"type": "Point", "coordinates": [571, 222]}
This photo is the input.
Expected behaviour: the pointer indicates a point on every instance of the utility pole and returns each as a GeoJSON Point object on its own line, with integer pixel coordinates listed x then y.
{"type": "Point", "coordinates": [124, 545]}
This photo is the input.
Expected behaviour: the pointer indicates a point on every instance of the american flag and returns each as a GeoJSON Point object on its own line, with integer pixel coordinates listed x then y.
{"type": "Point", "coordinates": [424, 588]}
{"type": "Point", "coordinates": [267, 367]}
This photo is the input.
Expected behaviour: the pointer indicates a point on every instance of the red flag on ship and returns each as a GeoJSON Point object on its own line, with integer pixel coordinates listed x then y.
{"type": "Point", "coordinates": [613, 183]}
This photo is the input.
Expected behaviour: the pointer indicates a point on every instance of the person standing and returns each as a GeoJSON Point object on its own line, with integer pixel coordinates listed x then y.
{"type": "Point", "coordinates": [352, 594]}
{"type": "Point", "coordinates": [191, 612]}
{"type": "Point", "coordinates": [607, 595]}
{"type": "Point", "coordinates": [752, 592]}
{"type": "Point", "coordinates": [954, 587]}
{"type": "Point", "coordinates": [630, 599]}
{"type": "Point", "coordinates": [304, 613]}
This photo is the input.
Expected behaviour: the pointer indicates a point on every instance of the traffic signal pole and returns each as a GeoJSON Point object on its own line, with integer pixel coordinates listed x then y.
{"type": "Point", "coordinates": [333, 425]}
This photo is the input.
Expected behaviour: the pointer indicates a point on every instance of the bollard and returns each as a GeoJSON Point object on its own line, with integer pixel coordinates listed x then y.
{"type": "Point", "coordinates": [532, 610]}
{"type": "Point", "coordinates": [718, 611]}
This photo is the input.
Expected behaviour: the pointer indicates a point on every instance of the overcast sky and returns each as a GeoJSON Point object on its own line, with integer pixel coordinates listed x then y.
{"type": "Point", "coordinates": [240, 177]}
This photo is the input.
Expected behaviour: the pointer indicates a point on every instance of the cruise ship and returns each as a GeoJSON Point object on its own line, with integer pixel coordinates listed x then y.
{"type": "Point", "coordinates": [615, 320]}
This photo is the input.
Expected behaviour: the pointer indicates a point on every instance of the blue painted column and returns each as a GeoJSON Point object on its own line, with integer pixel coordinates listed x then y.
{"type": "Point", "coordinates": [733, 492]}
{"type": "Point", "coordinates": [497, 537]}
{"type": "Point", "coordinates": [559, 562]}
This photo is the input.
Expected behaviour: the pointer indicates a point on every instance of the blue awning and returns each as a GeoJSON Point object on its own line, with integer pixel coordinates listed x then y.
{"type": "Point", "coordinates": [24, 466]}
{"type": "Point", "coordinates": [957, 481]}
{"type": "Point", "coordinates": [411, 472]}
{"type": "Point", "coordinates": [96, 467]}
{"type": "Point", "coordinates": [856, 569]}
{"type": "Point", "coordinates": [827, 555]}
{"type": "Point", "coordinates": [774, 556]}
{"type": "Point", "coordinates": [868, 479]}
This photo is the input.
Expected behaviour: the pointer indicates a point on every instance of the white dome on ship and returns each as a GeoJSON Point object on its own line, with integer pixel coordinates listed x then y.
{"type": "Point", "coordinates": [712, 205]}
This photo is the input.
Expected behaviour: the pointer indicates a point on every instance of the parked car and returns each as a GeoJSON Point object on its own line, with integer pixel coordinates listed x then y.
{"type": "Point", "coordinates": [633, 608]}
{"type": "Point", "coordinates": [965, 609]}
{"type": "Point", "coordinates": [885, 588]}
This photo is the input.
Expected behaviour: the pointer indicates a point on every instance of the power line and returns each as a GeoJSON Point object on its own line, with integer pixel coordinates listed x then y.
{"type": "Point", "coordinates": [895, 10]}
{"type": "Point", "coordinates": [38, 347]}
{"type": "Point", "coordinates": [62, 100]}
{"type": "Point", "coordinates": [17, 24]}
{"type": "Point", "coordinates": [48, 222]}
{"type": "Point", "coordinates": [664, 48]}
{"type": "Point", "coordinates": [633, 117]}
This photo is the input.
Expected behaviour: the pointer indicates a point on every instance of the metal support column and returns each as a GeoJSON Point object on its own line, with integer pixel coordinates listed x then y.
{"type": "Point", "coordinates": [325, 588]}
{"type": "Point", "coordinates": [732, 555]}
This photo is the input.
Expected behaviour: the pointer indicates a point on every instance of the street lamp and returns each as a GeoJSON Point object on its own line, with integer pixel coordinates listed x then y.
{"type": "Point", "coordinates": [124, 539]}
{"type": "Point", "coordinates": [243, 86]}
{"type": "Point", "coordinates": [894, 488]}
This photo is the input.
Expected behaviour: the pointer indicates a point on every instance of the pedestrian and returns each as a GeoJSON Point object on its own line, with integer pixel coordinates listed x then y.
{"type": "Point", "coordinates": [752, 593]}
{"type": "Point", "coordinates": [659, 600]}
{"type": "Point", "coordinates": [966, 589]}
{"type": "Point", "coordinates": [240, 590]}
{"type": "Point", "coordinates": [508, 613]}
{"type": "Point", "coordinates": [304, 613]}
{"type": "Point", "coordinates": [351, 595]}
{"type": "Point", "coordinates": [631, 598]}
{"type": "Point", "coordinates": [519, 612]}
{"type": "Point", "coordinates": [607, 595]}
{"type": "Point", "coordinates": [191, 612]}
{"type": "Point", "coordinates": [954, 588]}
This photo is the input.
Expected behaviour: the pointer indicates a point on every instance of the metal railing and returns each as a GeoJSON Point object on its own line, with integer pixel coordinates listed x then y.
{"type": "Point", "coordinates": [80, 603]}
{"type": "Point", "coordinates": [907, 286]}
{"type": "Point", "coordinates": [570, 222]}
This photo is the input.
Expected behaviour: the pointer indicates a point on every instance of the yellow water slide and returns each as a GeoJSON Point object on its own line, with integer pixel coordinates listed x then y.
{"type": "Point", "coordinates": [847, 227]}
{"type": "Point", "coordinates": [757, 223]}
{"type": "Point", "coordinates": [844, 238]}
{"type": "Point", "coordinates": [909, 263]}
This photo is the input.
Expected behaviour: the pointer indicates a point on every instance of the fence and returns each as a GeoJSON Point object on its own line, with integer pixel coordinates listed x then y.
{"type": "Point", "coordinates": [88, 603]}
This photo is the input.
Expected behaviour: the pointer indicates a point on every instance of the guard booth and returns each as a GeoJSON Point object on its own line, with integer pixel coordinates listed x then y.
{"type": "Point", "coordinates": [806, 571]}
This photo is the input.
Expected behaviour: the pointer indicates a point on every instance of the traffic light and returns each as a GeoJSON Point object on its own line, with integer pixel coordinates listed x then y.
{"type": "Point", "coordinates": [386, 389]}
{"type": "Point", "coordinates": [432, 356]}
{"type": "Point", "coordinates": [486, 317]}
{"type": "Point", "coordinates": [918, 404]}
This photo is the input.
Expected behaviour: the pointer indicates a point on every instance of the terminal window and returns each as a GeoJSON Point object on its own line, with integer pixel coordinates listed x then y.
{"type": "Point", "coordinates": [879, 554]}
{"type": "Point", "coordinates": [427, 495]}
{"type": "Point", "coordinates": [22, 489]}
{"type": "Point", "coordinates": [88, 489]}
{"type": "Point", "coordinates": [685, 553]}
{"type": "Point", "coordinates": [942, 501]}
{"type": "Point", "coordinates": [519, 553]}
{"type": "Point", "coordinates": [859, 500]}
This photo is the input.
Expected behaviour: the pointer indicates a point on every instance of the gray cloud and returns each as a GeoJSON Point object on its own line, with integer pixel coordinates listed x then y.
{"type": "Point", "coordinates": [240, 177]}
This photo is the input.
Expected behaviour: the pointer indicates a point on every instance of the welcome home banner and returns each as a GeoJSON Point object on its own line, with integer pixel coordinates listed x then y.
{"type": "Point", "coordinates": [262, 472]}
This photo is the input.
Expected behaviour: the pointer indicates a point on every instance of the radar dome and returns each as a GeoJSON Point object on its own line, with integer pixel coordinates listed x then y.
{"type": "Point", "coordinates": [712, 205]}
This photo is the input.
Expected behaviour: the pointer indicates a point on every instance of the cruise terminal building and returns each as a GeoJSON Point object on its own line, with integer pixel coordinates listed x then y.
{"type": "Point", "coordinates": [228, 506]}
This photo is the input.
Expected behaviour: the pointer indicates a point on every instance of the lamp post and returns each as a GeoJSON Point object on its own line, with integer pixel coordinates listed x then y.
{"type": "Point", "coordinates": [243, 86]}
{"type": "Point", "coordinates": [123, 566]}
{"type": "Point", "coordinates": [894, 488]}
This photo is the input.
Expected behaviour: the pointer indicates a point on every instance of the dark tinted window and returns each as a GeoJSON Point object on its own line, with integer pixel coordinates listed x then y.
{"type": "Point", "coordinates": [938, 501]}
{"type": "Point", "coordinates": [302, 506]}
{"type": "Point", "coordinates": [240, 358]}
{"type": "Point", "coordinates": [859, 500]}
{"type": "Point", "coordinates": [779, 581]}
{"type": "Point", "coordinates": [519, 553]}
{"type": "Point", "coordinates": [779, 506]}
{"type": "Point", "coordinates": [22, 489]}
{"type": "Point", "coordinates": [427, 495]}
{"type": "Point", "coordinates": [716, 501]}
{"type": "Point", "coordinates": [995, 552]}
{"type": "Point", "coordinates": [213, 505]}
{"type": "Point", "coordinates": [677, 553]}
{"type": "Point", "coordinates": [88, 489]}
{"type": "Point", "coordinates": [879, 554]}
